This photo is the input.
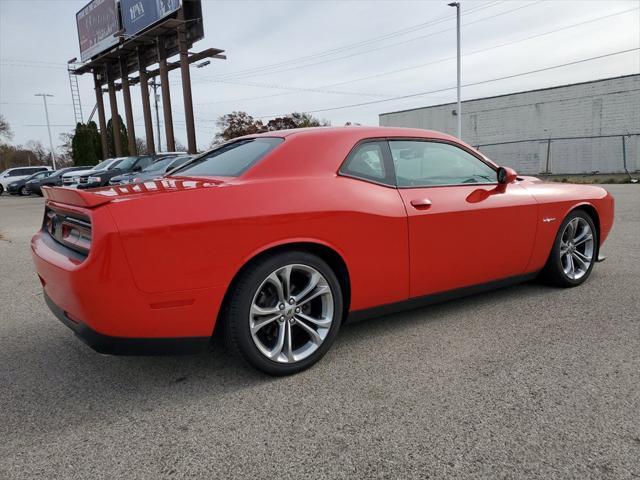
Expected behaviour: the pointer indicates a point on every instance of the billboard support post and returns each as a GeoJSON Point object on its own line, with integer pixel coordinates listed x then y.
{"type": "Point", "coordinates": [166, 95]}
{"type": "Point", "coordinates": [128, 111]}
{"type": "Point", "coordinates": [115, 118]}
{"type": "Point", "coordinates": [101, 116]}
{"type": "Point", "coordinates": [146, 106]}
{"type": "Point", "coordinates": [186, 87]}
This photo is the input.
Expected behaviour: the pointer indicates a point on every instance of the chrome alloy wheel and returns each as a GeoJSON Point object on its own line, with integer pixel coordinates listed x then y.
{"type": "Point", "coordinates": [576, 248]}
{"type": "Point", "coordinates": [291, 313]}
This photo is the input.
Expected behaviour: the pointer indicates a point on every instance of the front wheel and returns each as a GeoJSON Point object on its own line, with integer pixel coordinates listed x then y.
{"type": "Point", "coordinates": [574, 251]}
{"type": "Point", "coordinates": [284, 312]}
{"type": "Point", "coordinates": [24, 191]}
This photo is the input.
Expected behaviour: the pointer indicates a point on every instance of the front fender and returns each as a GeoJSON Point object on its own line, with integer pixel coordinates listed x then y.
{"type": "Point", "coordinates": [555, 201]}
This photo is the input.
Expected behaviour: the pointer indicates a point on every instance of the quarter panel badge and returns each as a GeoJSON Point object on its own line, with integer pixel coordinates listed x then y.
{"type": "Point", "coordinates": [548, 219]}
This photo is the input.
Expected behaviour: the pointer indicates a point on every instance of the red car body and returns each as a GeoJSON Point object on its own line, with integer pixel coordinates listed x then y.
{"type": "Point", "coordinates": [163, 254]}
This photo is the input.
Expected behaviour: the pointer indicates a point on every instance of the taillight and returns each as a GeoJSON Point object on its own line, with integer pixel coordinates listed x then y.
{"type": "Point", "coordinates": [75, 236]}
{"type": "Point", "coordinates": [69, 230]}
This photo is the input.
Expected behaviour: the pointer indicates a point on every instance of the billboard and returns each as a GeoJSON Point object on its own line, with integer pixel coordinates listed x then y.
{"type": "Point", "coordinates": [139, 14]}
{"type": "Point", "coordinates": [97, 22]}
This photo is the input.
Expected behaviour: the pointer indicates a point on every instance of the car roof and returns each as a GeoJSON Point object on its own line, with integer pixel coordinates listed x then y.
{"type": "Point", "coordinates": [364, 132]}
{"type": "Point", "coordinates": [330, 147]}
{"type": "Point", "coordinates": [28, 166]}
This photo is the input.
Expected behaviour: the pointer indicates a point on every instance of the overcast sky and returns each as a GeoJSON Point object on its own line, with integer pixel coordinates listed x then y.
{"type": "Point", "coordinates": [327, 54]}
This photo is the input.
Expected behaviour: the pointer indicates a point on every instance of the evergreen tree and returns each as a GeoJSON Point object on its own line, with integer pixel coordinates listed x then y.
{"type": "Point", "coordinates": [84, 143]}
{"type": "Point", "coordinates": [124, 142]}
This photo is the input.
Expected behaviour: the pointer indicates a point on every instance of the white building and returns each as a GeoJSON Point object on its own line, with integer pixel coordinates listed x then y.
{"type": "Point", "coordinates": [578, 128]}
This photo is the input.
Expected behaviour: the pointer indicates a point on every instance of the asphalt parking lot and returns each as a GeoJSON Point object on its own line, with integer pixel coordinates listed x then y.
{"type": "Point", "coordinates": [524, 382]}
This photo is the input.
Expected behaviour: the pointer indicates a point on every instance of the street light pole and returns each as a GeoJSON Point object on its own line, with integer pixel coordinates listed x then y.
{"type": "Point", "coordinates": [155, 86]}
{"type": "Point", "coordinates": [459, 109]}
{"type": "Point", "coordinates": [46, 113]}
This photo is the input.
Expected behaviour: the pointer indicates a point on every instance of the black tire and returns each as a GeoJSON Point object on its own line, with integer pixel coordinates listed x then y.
{"type": "Point", "coordinates": [24, 192]}
{"type": "Point", "coordinates": [1, 189]}
{"type": "Point", "coordinates": [236, 313]}
{"type": "Point", "coordinates": [553, 272]}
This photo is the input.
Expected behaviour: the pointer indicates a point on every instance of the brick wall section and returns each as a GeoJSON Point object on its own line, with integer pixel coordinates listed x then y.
{"type": "Point", "coordinates": [603, 107]}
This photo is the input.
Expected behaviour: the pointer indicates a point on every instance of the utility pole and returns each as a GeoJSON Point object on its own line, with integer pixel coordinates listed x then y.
{"type": "Point", "coordinates": [46, 113]}
{"type": "Point", "coordinates": [155, 86]}
{"type": "Point", "coordinates": [459, 109]}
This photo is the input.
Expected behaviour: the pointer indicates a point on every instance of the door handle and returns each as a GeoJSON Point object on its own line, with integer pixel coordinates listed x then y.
{"type": "Point", "coordinates": [421, 203]}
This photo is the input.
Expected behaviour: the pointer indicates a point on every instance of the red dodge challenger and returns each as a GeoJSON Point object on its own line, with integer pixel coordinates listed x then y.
{"type": "Point", "coordinates": [279, 238]}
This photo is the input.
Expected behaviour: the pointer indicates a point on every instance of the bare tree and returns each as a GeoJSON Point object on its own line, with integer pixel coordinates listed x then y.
{"type": "Point", "coordinates": [141, 146]}
{"type": "Point", "coordinates": [237, 124]}
{"type": "Point", "coordinates": [180, 147]}
{"type": "Point", "coordinates": [5, 130]}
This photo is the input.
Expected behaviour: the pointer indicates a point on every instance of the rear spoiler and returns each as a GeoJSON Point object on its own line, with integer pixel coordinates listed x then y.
{"type": "Point", "coordinates": [72, 196]}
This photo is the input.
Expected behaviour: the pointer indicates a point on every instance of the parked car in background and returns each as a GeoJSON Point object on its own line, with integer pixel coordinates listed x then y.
{"type": "Point", "coordinates": [20, 187]}
{"type": "Point", "coordinates": [73, 178]}
{"type": "Point", "coordinates": [18, 173]}
{"type": "Point", "coordinates": [155, 170]}
{"type": "Point", "coordinates": [53, 180]}
{"type": "Point", "coordinates": [134, 164]}
{"type": "Point", "coordinates": [281, 237]}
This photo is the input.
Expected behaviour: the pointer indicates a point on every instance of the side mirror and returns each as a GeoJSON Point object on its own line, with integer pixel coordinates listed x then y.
{"type": "Point", "coordinates": [137, 168]}
{"type": "Point", "coordinates": [506, 175]}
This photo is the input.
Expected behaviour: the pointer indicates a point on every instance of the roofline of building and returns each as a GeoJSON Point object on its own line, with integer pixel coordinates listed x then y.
{"type": "Point", "coordinates": [510, 94]}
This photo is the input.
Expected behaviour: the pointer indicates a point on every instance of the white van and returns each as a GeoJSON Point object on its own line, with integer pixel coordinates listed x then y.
{"type": "Point", "coordinates": [11, 175]}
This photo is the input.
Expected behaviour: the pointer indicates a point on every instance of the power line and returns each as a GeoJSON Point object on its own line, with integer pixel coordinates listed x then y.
{"type": "Point", "coordinates": [36, 103]}
{"type": "Point", "coordinates": [29, 65]}
{"type": "Point", "coordinates": [359, 44]}
{"type": "Point", "coordinates": [22, 60]}
{"type": "Point", "coordinates": [482, 49]}
{"type": "Point", "coordinates": [237, 76]}
{"type": "Point", "coordinates": [418, 94]}
{"type": "Point", "coordinates": [391, 72]}
{"type": "Point", "coordinates": [57, 65]}
{"type": "Point", "coordinates": [299, 89]}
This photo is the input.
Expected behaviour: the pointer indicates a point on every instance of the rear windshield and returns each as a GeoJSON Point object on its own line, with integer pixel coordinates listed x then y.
{"type": "Point", "coordinates": [125, 163]}
{"type": "Point", "coordinates": [103, 164]}
{"type": "Point", "coordinates": [229, 160]}
{"type": "Point", "coordinates": [114, 164]}
{"type": "Point", "coordinates": [159, 165]}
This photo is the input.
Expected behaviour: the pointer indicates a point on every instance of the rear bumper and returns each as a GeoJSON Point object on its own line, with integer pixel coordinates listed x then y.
{"type": "Point", "coordinates": [125, 345]}
{"type": "Point", "coordinates": [98, 299]}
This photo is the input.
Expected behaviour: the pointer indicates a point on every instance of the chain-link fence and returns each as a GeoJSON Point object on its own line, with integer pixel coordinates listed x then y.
{"type": "Point", "coordinates": [568, 155]}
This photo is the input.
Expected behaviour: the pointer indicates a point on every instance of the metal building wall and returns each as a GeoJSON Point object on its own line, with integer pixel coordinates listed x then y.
{"type": "Point", "coordinates": [575, 128]}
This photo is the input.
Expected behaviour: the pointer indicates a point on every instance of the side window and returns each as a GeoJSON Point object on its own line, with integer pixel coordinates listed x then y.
{"type": "Point", "coordinates": [367, 162]}
{"type": "Point", "coordinates": [18, 172]}
{"type": "Point", "coordinates": [423, 164]}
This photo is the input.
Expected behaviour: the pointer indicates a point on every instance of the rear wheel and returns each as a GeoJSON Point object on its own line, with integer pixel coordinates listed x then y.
{"type": "Point", "coordinates": [574, 251]}
{"type": "Point", "coordinates": [284, 312]}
